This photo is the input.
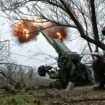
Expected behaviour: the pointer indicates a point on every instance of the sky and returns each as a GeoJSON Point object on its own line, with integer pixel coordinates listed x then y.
{"type": "Point", "coordinates": [37, 52]}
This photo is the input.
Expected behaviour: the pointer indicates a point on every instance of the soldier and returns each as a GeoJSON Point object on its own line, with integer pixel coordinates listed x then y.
{"type": "Point", "coordinates": [99, 70]}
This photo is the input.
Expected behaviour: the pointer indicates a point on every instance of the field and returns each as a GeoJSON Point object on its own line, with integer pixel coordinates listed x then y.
{"type": "Point", "coordinates": [44, 96]}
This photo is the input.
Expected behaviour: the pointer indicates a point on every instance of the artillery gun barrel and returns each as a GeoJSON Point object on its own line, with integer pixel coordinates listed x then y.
{"type": "Point", "coordinates": [47, 37]}
{"type": "Point", "coordinates": [58, 45]}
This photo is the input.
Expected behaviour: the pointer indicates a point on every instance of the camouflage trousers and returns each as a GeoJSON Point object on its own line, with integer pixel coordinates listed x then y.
{"type": "Point", "coordinates": [99, 71]}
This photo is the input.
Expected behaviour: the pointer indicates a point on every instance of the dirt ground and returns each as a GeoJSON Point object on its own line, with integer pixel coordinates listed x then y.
{"type": "Point", "coordinates": [77, 96]}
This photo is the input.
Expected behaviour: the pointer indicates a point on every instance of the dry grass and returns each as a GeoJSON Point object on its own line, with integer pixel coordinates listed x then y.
{"type": "Point", "coordinates": [45, 96]}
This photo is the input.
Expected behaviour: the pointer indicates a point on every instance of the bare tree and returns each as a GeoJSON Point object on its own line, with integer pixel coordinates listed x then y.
{"type": "Point", "coordinates": [16, 76]}
{"type": "Point", "coordinates": [86, 16]}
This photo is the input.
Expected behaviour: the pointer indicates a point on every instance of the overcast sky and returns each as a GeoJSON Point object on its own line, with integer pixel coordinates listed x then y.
{"type": "Point", "coordinates": [28, 53]}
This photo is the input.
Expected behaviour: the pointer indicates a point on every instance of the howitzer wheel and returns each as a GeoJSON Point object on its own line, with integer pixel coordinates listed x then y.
{"type": "Point", "coordinates": [42, 70]}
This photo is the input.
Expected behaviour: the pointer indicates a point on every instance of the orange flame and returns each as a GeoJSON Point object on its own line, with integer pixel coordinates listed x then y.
{"type": "Point", "coordinates": [57, 32]}
{"type": "Point", "coordinates": [25, 31]}
{"type": "Point", "coordinates": [59, 35]}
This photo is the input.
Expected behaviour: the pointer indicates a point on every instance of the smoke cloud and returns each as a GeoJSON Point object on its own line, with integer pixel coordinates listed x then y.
{"type": "Point", "coordinates": [54, 30]}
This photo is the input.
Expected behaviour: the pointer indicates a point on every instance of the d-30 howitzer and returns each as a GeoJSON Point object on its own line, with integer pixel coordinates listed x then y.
{"type": "Point", "coordinates": [70, 67]}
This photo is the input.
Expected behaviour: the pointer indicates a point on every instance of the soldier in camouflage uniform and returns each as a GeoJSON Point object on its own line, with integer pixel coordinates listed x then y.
{"type": "Point", "coordinates": [99, 71]}
{"type": "Point", "coordinates": [99, 68]}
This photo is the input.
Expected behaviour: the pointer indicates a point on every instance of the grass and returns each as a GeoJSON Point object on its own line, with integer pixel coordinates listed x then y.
{"type": "Point", "coordinates": [78, 96]}
{"type": "Point", "coordinates": [20, 99]}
